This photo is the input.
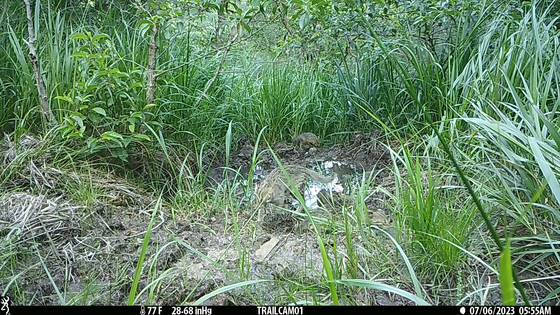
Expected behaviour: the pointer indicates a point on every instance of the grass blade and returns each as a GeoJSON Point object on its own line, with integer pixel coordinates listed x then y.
{"type": "Point", "coordinates": [134, 286]}
{"type": "Point", "coordinates": [506, 279]}
{"type": "Point", "coordinates": [228, 288]}
{"type": "Point", "coordinates": [549, 175]}
{"type": "Point", "coordinates": [384, 287]}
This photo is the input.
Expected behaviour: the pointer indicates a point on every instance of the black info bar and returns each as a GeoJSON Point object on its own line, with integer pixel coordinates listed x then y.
{"type": "Point", "coordinates": [279, 310]}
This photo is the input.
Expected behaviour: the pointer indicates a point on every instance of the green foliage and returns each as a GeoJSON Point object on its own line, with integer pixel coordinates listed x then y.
{"type": "Point", "coordinates": [101, 96]}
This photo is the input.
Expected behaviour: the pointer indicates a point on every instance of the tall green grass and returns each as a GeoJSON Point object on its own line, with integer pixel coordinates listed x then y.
{"type": "Point", "coordinates": [253, 94]}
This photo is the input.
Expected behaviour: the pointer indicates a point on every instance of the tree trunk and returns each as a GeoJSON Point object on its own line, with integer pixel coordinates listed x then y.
{"type": "Point", "coordinates": [152, 63]}
{"type": "Point", "coordinates": [48, 116]}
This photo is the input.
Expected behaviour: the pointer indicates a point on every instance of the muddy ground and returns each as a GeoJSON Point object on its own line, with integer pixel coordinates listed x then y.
{"type": "Point", "coordinates": [87, 254]}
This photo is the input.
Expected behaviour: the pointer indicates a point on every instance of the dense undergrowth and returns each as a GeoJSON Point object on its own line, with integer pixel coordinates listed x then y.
{"type": "Point", "coordinates": [476, 106]}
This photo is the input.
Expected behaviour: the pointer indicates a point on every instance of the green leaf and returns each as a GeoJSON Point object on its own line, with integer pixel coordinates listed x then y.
{"type": "Point", "coordinates": [131, 128]}
{"type": "Point", "coordinates": [247, 14]}
{"type": "Point", "coordinates": [143, 22]}
{"type": "Point", "coordinates": [100, 111]}
{"type": "Point", "coordinates": [94, 118]}
{"type": "Point", "coordinates": [139, 265]}
{"type": "Point", "coordinates": [208, 5]}
{"type": "Point", "coordinates": [135, 85]}
{"type": "Point", "coordinates": [100, 36]}
{"type": "Point", "coordinates": [111, 135]}
{"type": "Point", "coordinates": [91, 143]}
{"type": "Point", "coordinates": [142, 137]}
{"type": "Point", "coordinates": [79, 36]}
{"type": "Point", "coordinates": [245, 26]}
{"type": "Point", "coordinates": [65, 98]}
{"type": "Point", "coordinates": [78, 120]}
{"type": "Point", "coordinates": [79, 55]}
{"type": "Point", "coordinates": [302, 21]}
{"type": "Point", "coordinates": [506, 279]}
{"type": "Point", "coordinates": [126, 141]}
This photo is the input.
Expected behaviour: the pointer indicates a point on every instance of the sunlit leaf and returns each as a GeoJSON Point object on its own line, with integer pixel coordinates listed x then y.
{"type": "Point", "coordinates": [142, 137]}
{"type": "Point", "coordinates": [79, 36]}
{"type": "Point", "coordinates": [99, 110]}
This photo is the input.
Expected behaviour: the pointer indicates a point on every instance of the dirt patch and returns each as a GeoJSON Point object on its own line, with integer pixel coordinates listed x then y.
{"type": "Point", "coordinates": [364, 152]}
{"type": "Point", "coordinates": [364, 155]}
{"type": "Point", "coordinates": [88, 254]}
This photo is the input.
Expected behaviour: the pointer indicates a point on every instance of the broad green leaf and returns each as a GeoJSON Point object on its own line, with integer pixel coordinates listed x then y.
{"type": "Point", "coordinates": [100, 36]}
{"type": "Point", "coordinates": [126, 141]}
{"type": "Point", "coordinates": [94, 118]}
{"type": "Point", "coordinates": [99, 110]}
{"type": "Point", "coordinates": [109, 135]}
{"type": "Point", "coordinates": [302, 21]}
{"type": "Point", "coordinates": [79, 36]}
{"type": "Point", "coordinates": [144, 29]}
{"type": "Point", "coordinates": [121, 154]}
{"type": "Point", "coordinates": [143, 22]}
{"type": "Point", "coordinates": [245, 26]}
{"type": "Point", "coordinates": [78, 120]}
{"type": "Point", "coordinates": [91, 143]}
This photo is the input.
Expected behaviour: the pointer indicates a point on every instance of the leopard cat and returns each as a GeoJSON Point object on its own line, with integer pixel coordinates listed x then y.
{"type": "Point", "coordinates": [275, 189]}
